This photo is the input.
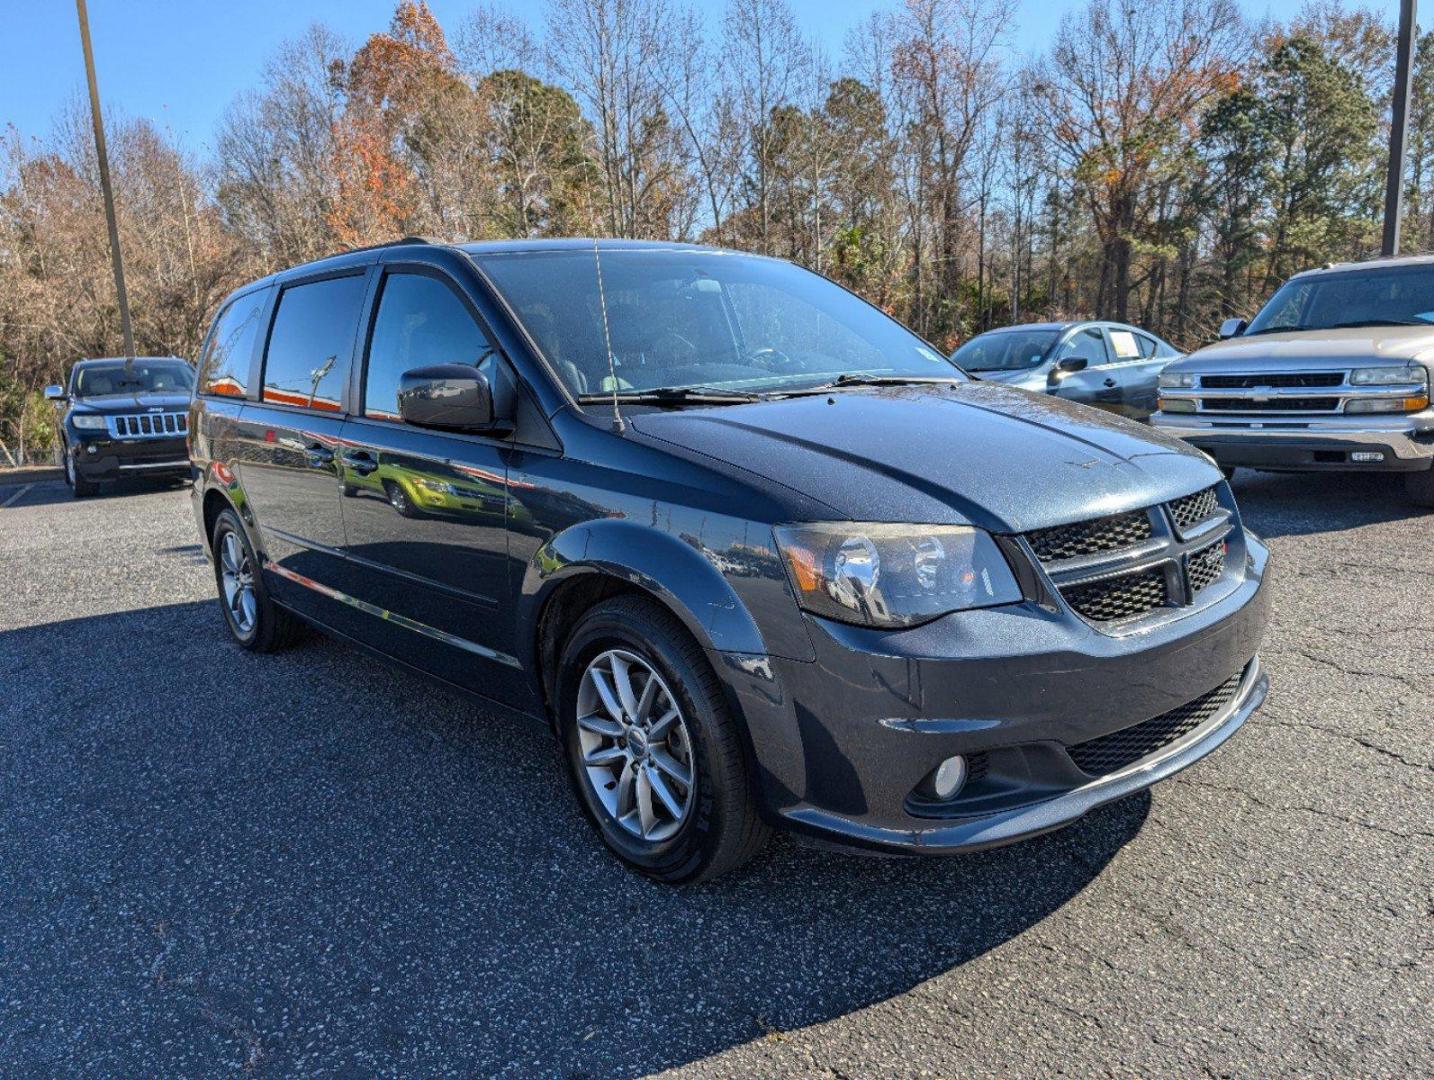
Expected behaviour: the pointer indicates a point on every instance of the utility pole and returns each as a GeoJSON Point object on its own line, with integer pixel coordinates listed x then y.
{"type": "Point", "coordinates": [1399, 129]}
{"type": "Point", "coordinates": [105, 188]}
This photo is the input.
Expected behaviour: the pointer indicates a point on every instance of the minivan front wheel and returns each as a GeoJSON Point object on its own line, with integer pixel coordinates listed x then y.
{"type": "Point", "coordinates": [655, 757]}
{"type": "Point", "coordinates": [254, 620]}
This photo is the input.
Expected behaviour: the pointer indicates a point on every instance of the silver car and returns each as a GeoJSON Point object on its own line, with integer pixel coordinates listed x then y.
{"type": "Point", "coordinates": [1332, 374]}
{"type": "Point", "coordinates": [1110, 365]}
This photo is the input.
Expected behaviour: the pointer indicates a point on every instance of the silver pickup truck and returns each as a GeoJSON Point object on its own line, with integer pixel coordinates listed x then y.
{"type": "Point", "coordinates": [1332, 374]}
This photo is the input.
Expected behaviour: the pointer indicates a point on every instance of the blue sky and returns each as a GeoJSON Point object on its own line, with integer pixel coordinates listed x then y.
{"type": "Point", "coordinates": [181, 64]}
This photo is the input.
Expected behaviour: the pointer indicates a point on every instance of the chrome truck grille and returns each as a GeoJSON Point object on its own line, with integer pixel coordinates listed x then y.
{"type": "Point", "coordinates": [166, 425]}
{"type": "Point", "coordinates": [1273, 393]}
{"type": "Point", "coordinates": [1125, 567]}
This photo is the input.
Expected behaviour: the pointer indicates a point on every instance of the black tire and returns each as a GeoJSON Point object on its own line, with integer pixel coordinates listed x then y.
{"type": "Point", "coordinates": [79, 487]}
{"type": "Point", "coordinates": [722, 829]}
{"type": "Point", "coordinates": [1419, 487]}
{"type": "Point", "coordinates": [274, 628]}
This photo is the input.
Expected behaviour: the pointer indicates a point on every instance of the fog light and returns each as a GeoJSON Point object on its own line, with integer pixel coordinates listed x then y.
{"type": "Point", "coordinates": [1366, 455]}
{"type": "Point", "coordinates": [946, 781]}
{"type": "Point", "coordinates": [91, 449]}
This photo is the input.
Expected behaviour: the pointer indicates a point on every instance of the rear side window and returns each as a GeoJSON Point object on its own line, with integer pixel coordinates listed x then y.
{"type": "Point", "coordinates": [224, 367]}
{"type": "Point", "coordinates": [420, 322]}
{"type": "Point", "coordinates": [311, 345]}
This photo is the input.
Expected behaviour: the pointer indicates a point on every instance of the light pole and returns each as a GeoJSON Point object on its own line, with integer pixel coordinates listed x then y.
{"type": "Point", "coordinates": [1399, 129]}
{"type": "Point", "coordinates": [104, 163]}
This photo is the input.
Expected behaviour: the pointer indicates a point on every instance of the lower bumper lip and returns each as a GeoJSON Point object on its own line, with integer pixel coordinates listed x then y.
{"type": "Point", "coordinates": [1018, 823]}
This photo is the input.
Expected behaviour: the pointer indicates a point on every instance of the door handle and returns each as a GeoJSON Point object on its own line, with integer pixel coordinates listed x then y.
{"type": "Point", "coordinates": [361, 462]}
{"type": "Point", "coordinates": [319, 455]}
{"type": "Point", "coordinates": [1109, 382]}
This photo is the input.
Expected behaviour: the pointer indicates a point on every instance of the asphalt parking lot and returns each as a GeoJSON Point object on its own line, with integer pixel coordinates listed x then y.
{"type": "Point", "coordinates": [213, 864]}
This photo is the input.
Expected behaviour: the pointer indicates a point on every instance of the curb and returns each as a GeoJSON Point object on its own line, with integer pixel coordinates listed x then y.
{"type": "Point", "coordinates": [31, 474]}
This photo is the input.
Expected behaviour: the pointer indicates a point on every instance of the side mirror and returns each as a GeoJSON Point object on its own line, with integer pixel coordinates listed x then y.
{"type": "Point", "coordinates": [54, 393]}
{"type": "Point", "coordinates": [1068, 366]}
{"type": "Point", "coordinates": [456, 397]}
{"type": "Point", "coordinates": [1232, 328]}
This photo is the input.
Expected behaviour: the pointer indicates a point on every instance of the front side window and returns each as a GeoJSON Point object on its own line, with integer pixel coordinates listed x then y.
{"type": "Point", "coordinates": [420, 322]}
{"type": "Point", "coordinates": [1391, 296]}
{"type": "Point", "coordinates": [683, 319]}
{"type": "Point", "coordinates": [137, 377]}
{"type": "Point", "coordinates": [1005, 350]}
{"type": "Point", "coordinates": [224, 367]}
{"type": "Point", "coordinates": [1087, 345]}
{"type": "Point", "coordinates": [307, 362]}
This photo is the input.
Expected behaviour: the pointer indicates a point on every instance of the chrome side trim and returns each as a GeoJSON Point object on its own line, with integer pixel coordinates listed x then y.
{"type": "Point", "coordinates": [398, 620]}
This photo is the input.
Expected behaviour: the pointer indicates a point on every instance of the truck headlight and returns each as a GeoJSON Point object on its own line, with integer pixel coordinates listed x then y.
{"type": "Point", "coordinates": [88, 421]}
{"type": "Point", "coordinates": [1388, 376]}
{"type": "Point", "coordinates": [1177, 379]}
{"type": "Point", "coordinates": [886, 575]}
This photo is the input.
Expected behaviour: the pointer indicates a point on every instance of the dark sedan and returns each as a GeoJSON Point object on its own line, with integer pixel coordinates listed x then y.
{"type": "Point", "coordinates": [1110, 365]}
{"type": "Point", "coordinates": [124, 418]}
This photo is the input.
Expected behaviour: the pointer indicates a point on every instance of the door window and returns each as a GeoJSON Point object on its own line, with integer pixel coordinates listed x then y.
{"type": "Point", "coordinates": [310, 347]}
{"type": "Point", "coordinates": [421, 322]}
{"type": "Point", "coordinates": [1088, 344]}
{"type": "Point", "coordinates": [224, 367]}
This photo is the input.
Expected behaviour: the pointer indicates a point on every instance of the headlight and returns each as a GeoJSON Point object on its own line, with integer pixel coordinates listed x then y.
{"type": "Point", "coordinates": [1178, 379]}
{"type": "Point", "coordinates": [1388, 376]}
{"type": "Point", "coordinates": [894, 575]}
{"type": "Point", "coordinates": [438, 487]}
{"type": "Point", "coordinates": [87, 421]}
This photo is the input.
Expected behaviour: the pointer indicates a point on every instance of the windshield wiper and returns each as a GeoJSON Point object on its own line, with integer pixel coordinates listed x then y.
{"type": "Point", "coordinates": [856, 378]}
{"type": "Point", "coordinates": [676, 395]}
{"type": "Point", "coordinates": [1375, 322]}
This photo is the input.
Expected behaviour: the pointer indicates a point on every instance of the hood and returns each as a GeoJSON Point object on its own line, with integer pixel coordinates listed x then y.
{"type": "Point", "coordinates": [1315, 350]}
{"type": "Point", "coordinates": [1026, 378]}
{"type": "Point", "coordinates": [110, 404]}
{"type": "Point", "coordinates": [965, 453]}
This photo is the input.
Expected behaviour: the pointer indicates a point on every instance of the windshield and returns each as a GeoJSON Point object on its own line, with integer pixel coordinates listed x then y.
{"type": "Point", "coordinates": [1389, 296]}
{"type": "Point", "coordinates": [1005, 350]}
{"type": "Point", "coordinates": [143, 377]}
{"type": "Point", "coordinates": [692, 319]}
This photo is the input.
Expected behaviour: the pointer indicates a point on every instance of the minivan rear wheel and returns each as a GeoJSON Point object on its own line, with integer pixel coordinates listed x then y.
{"type": "Point", "coordinates": [654, 755]}
{"type": "Point", "coordinates": [254, 620]}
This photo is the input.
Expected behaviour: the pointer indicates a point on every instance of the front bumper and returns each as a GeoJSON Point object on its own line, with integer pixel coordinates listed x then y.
{"type": "Point", "coordinates": [114, 459]}
{"type": "Point", "coordinates": [1308, 444]}
{"type": "Point", "coordinates": [841, 743]}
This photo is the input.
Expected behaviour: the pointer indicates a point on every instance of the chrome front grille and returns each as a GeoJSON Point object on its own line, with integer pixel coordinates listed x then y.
{"type": "Point", "coordinates": [162, 425]}
{"type": "Point", "coordinates": [1136, 565]}
{"type": "Point", "coordinates": [1113, 752]}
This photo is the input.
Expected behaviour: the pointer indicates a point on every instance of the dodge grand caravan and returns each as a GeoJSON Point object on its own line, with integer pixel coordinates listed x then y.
{"type": "Point", "coordinates": [758, 554]}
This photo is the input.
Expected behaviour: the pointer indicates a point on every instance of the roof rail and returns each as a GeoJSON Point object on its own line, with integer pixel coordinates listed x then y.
{"type": "Point", "coordinates": [392, 243]}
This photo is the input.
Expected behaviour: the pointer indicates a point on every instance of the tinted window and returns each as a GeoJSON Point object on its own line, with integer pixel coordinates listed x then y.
{"type": "Point", "coordinates": [312, 341]}
{"type": "Point", "coordinates": [1392, 296]}
{"type": "Point", "coordinates": [1087, 344]}
{"type": "Point", "coordinates": [224, 367]}
{"type": "Point", "coordinates": [139, 377]}
{"type": "Point", "coordinates": [421, 322]}
{"type": "Point", "coordinates": [697, 318]}
{"type": "Point", "coordinates": [1006, 350]}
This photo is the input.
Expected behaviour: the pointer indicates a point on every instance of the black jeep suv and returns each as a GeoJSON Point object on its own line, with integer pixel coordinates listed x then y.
{"type": "Point", "coordinates": [759, 554]}
{"type": "Point", "coordinates": [125, 418]}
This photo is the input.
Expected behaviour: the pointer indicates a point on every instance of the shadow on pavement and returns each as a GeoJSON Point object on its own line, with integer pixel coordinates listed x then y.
{"type": "Point", "coordinates": [1297, 504]}
{"type": "Point", "coordinates": [311, 863]}
{"type": "Point", "coordinates": [50, 492]}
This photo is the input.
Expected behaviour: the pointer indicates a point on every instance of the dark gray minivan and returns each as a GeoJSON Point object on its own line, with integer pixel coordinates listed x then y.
{"type": "Point", "coordinates": [757, 553]}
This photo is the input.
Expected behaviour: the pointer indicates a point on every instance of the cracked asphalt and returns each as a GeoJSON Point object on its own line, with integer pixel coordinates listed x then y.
{"type": "Point", "coordinates": [213, 864]}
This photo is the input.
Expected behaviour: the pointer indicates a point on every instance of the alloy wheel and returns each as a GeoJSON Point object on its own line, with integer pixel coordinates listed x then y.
{"type": "Point", "coordinates": [636, 749]}
{"type": "Point", "coordinates": [236, 576]}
